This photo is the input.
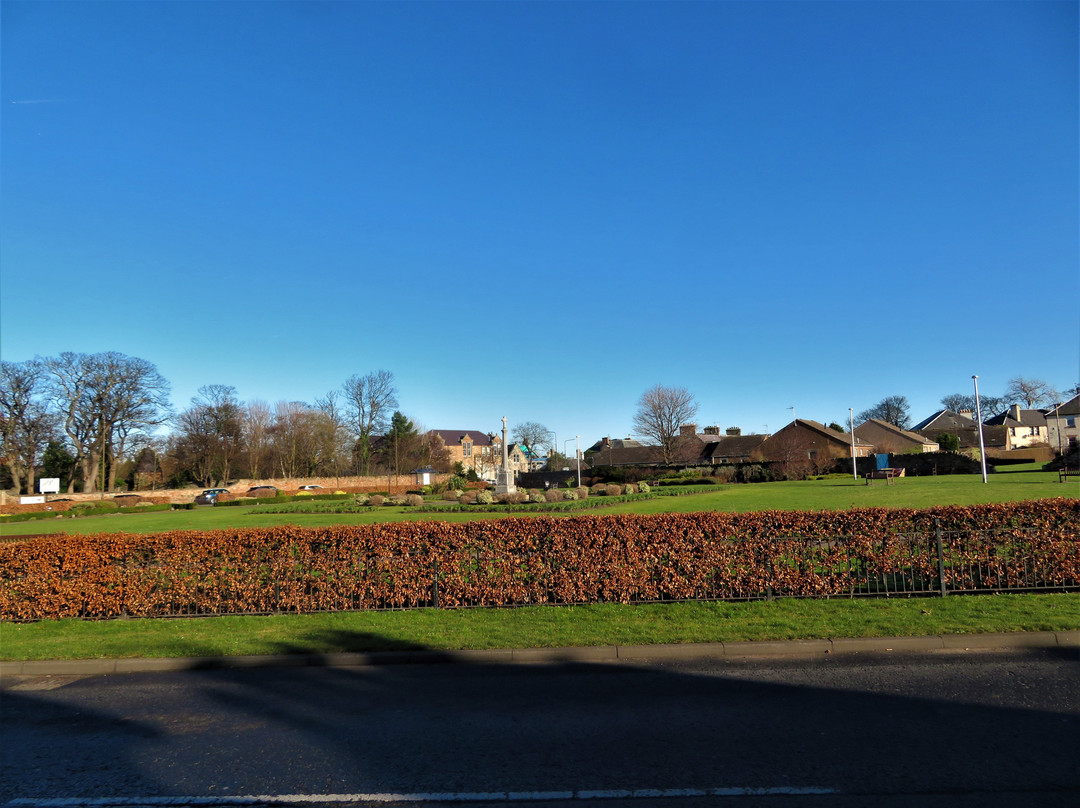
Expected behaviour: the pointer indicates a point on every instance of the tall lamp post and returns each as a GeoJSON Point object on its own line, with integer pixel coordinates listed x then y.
{"type": "Point", "coordinates": [978, 416]}
{"type": "Point", "coordinates": [577, 453]}
{"type": "Point", "coordinates": [854, 465]}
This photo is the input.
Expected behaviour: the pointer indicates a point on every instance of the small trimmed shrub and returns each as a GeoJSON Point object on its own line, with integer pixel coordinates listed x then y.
{"type": "Point", "coordinates": [468, 498]}
{"type": "Point", "coordinates": [484, 497]}
{"type": "Point", "coordinates": [570, 495]}
{"type": "Point", "coordinates": [361, 499]}
{"type": "Point", "coordinates": [452, 496]}
{"type": "Point", "coordinates": [457, 483]}
{"type": "Point", "coordinates": [630, 488]}
{"type": "Point", "coordinates": [614, 490]}
{"type": "Point", "coordinates": [644, 488]}
{"type": "Point", "coordinates": [414, 500]}
{"type": "Point", "coordinates": [553, 496]}
{"type": "Point", "coordinates": [376, 500]}
{"type": "Point", "coordinates": [537, 496]}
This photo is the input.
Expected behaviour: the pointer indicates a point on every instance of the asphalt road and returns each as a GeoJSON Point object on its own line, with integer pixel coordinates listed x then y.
{"type": "Point", "coordinates": [976, 728]}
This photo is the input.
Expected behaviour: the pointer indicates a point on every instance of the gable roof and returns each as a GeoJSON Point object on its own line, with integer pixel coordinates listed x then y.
{"type": "Point", "coordinates": [895, 430]}
{"type": "Point", "coordinates": [829, 434]}
{"type": "Point", "coordinates": [457, 436]}
{"type": "Point", "coordinates": [1014, 416]}
{"type": "Point", "coordinates": [1070, 407]}
{"type": "Point", "coordinates": [945, 419]}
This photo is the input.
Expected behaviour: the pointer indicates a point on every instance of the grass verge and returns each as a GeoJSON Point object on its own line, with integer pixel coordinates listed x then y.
{"type": "Point", "coordinates": [539, 627]}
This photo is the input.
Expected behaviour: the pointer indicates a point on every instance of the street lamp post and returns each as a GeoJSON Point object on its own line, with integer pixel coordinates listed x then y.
{"type": "Point", "coordinates": [854, 464]}
{"type": "Point", "coordinates": [978, 416]}
{"type": "Point", "coordinates": [577, 454]}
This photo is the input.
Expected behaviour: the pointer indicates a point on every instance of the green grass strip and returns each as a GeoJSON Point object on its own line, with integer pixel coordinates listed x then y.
{"type": "Point", "coordinates": [537, 627]}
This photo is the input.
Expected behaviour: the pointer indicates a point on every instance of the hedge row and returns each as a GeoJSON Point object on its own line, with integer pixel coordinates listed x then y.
{"type": "Point", "coordinates": [583, 559]}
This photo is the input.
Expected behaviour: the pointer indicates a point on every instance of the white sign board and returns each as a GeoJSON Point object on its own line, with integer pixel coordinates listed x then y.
{"type": "Point", "coordinates": [31, 500]}
{"type": "Point", "coordinates": [49, 485]}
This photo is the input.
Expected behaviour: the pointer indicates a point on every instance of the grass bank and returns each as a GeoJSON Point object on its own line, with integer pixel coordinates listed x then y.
{"type": "Point", "coordinates": [1023, 483]}
{"type": "Point", "coordinates": [538, 627]}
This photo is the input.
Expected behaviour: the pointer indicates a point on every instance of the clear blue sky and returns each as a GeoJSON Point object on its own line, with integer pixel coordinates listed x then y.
{"type": "Point", "coordinates": [541, 209]}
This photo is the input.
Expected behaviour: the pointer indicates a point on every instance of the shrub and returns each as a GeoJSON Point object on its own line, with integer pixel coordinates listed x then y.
{"type": "Point", "coordinates": [630, 488]}
{"type": "Point", "coordinates": [583, 492]}
{"type": "Point", "coordinates": [484, 497]}
{"type": "Point", "coordinates": [553, 496]}
{"type": "Point", "coordinates": [614, 490]}
{"type": "Point", "coordinates": [457, 483]}
{"type": "Point", "coordinates": [570, 495]}
{"type": "Point", "coordinates": [414, 500]}
{"type": "Point", "coordinates": [599, 488]}
{"type": "Point", "coordinates": [468, 498]}
{"type": "Point", "coordinates": [375, 500]}
{"type": "Point", "coordinates": [361, 499]}
{"type": "Point", "coordinates": [303, 494]}
{"type": "Point", "coordinates": [452, 496]}
{"type": "Point", "coordinates": [537, 496]}
{"type": "Point", "coordinates": [644, 488]}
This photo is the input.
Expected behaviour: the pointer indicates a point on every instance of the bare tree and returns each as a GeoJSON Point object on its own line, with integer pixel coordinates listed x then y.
{"type": "Point", "coordinates": [533, 436]}
{"type": "Point", "coordinates": [98, 394]}
{"type": "Point", "coordinates": [891, 409]}
{"type": "Point", "coordinates": [369, 401]}
{"type": "Point", "coordinates": [660, 412]}
{"type": "Point", "coordinates": [26, 424]}
{"type": "Point", "coordinates": [257, 422]}
{"type": "Point", "coordinates": [1030, 392]}
{"type": "Point", "coordinates": [211, 434]}
{"type": "Point", "coordinates": [959, 402]}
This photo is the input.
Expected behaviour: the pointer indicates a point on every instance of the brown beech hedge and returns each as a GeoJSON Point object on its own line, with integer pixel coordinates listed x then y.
{"type": "Point", "coordinates": [587, 559]}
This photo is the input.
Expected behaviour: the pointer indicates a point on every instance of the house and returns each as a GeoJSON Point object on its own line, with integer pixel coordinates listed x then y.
{"type": "Point", "coordinates": [479, 451]}
{"type": "Point", "coordinates": [891, 439]}
{"type": "Point", "coordinates": [1063, 432]}
{"type": "Point", "coordinates": [711, 448]}
{"type": "Point", "coordinates": [518, 458]}
{"type": "Point", "coordinates": [622, 452]}
{"type": "Point", "coordinates": [1023, 428]}
{"type": "Point", "coordinates": [804, 439]}
{"type": "Point", "coordinates": [964, 426]}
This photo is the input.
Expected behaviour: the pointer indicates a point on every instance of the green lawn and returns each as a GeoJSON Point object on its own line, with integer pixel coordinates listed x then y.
{"type": "Point", "coordinates": [539, 627]}
{"type": "Point", "coordinates": [1021, 483]}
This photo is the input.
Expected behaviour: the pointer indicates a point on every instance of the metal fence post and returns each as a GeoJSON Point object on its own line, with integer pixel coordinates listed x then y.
{"type": "Point", "coordinates": [435, 584]}
{"type": "Point", "coordinates": [940, 557]}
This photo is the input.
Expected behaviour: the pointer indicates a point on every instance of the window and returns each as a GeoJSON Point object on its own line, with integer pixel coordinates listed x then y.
{"type": "Point", "coordinates": [466, 449]}
{"type": "Point", "coordinates": [1034, 430]}
{"type": "Point", "coordinates": [1070, 421]}
{"type": "Point", "coordinates": [1012, 431]}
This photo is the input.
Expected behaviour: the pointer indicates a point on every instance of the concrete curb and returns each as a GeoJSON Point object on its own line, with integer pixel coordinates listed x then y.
{"type": "Point", "coordinates": [792, 649]}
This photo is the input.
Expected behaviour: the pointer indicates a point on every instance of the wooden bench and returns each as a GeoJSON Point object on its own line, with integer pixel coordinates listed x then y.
{"type": "Point", "coordinates": [888, 475]}
{"type": "Point", "coordinates": [1064, 473]}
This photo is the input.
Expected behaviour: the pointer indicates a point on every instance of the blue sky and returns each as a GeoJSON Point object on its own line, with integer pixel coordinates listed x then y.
{"type": "Point", "coordinates": [540, 210]}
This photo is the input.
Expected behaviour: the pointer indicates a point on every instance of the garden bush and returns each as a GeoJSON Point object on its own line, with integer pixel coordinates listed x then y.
{"type": "Point", "coordinates": [376, 500]}
{"type": "Point", "coordinates": [582, 559]}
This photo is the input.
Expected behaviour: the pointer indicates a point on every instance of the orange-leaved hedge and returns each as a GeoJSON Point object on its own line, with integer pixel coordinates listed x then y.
{"type": "Point", "coordinates": [584, 559]}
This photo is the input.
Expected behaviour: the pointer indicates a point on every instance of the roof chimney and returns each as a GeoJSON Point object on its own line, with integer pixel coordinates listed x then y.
{"type": "Point", "coordinates": [688, 429]}
{"type": "Point", "coordinates": [1015, 411]}
{"type": "Point", "coordinates": [712, 430]}
{"type": "Point", "coordinates": [734, 431]}
{"type": "Point", "coordinates": [966, 414]}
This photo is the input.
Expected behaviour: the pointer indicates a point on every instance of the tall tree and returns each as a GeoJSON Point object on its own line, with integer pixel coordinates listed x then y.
{"type": "Point", "coordinates": [660, 412]}
{"type": "Point", "coordinates": [988, 405]}
{"type": "Point", "coordinates": [402, 444]}
{"type": "Point", "coordinates": [533, 436]}
{"type": "Point", "coordinates": [1030, 392]}
{"type": "Point", "coordinates": [891, 409]}
{"type": "Point", "coordinates": [210, 437]}
{"type": "Point", "coordinates": [369, 401]}
{"type": "Point", "coordinates": [26, 424]}
{"type": "Point", "coordinates": [101, 399]}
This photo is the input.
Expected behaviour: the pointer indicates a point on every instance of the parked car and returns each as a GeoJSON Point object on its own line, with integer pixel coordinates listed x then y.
{"type": "Point", "coordinates": [209, 496]}
{"type": "Point", "coordinates": [309, 488]}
